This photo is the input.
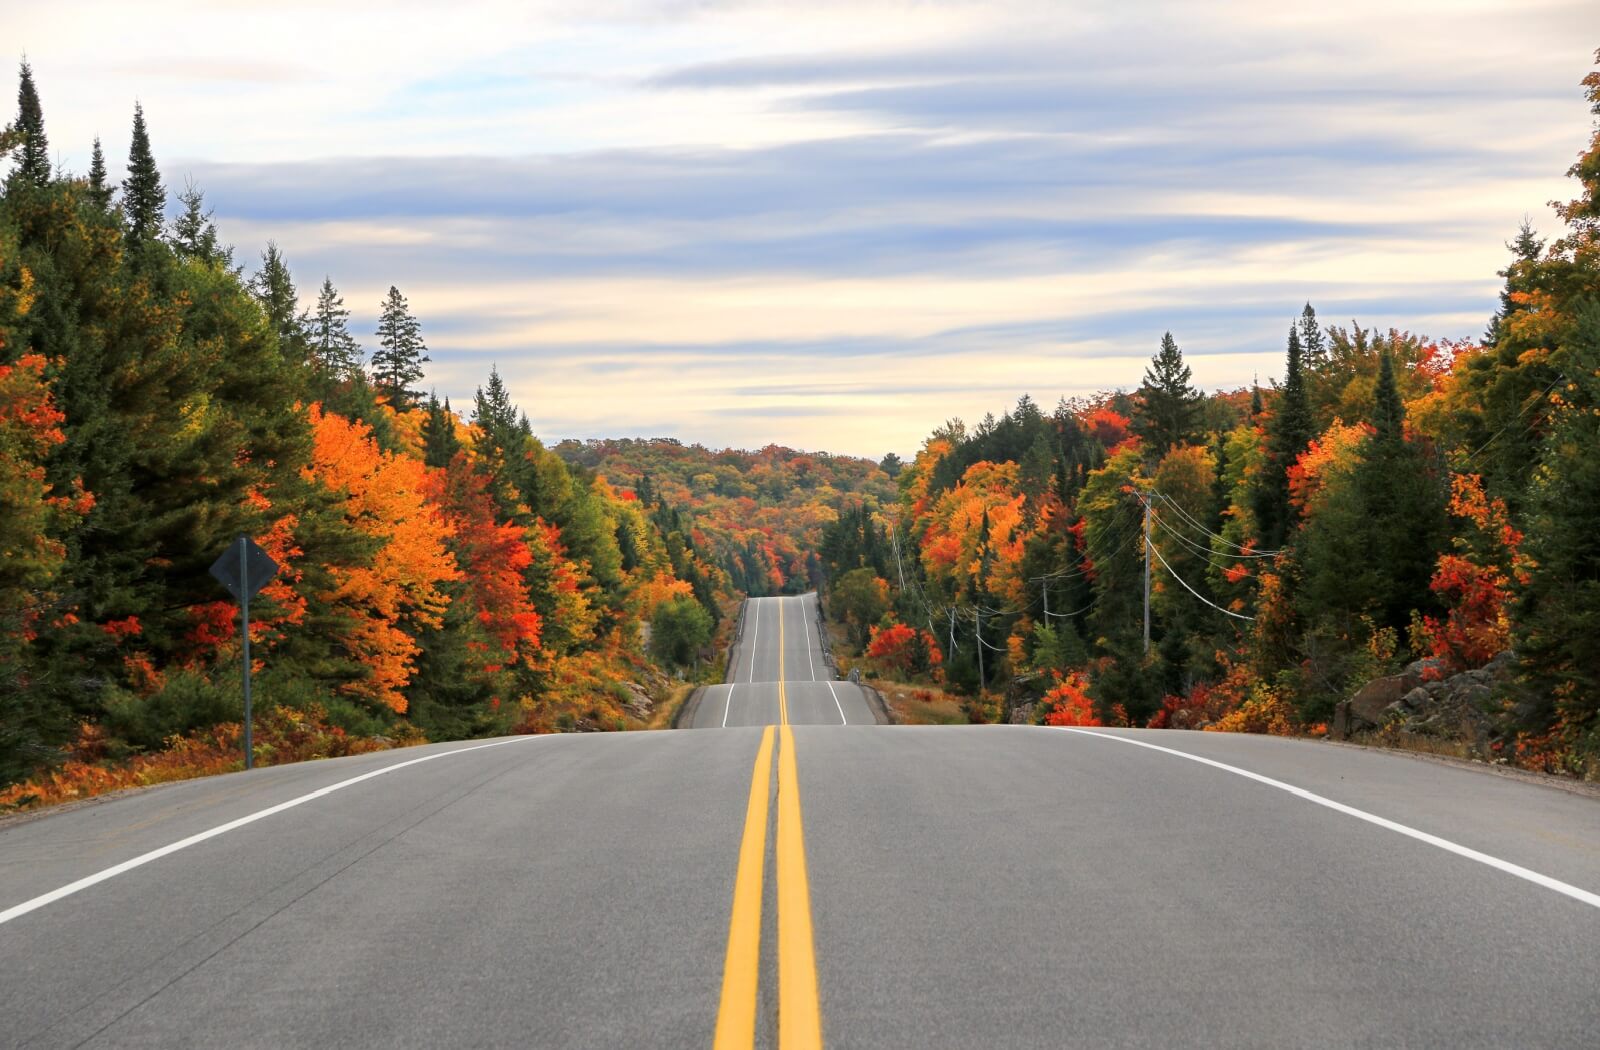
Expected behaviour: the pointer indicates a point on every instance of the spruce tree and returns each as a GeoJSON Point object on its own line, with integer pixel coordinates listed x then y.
{"type": "Point", "coordinates": [1388, 413]}
{"type": "Point", "coordinates": [397, 364]}
{"type": "Point", "coordinates": [274, 289]}
{"type": "Point", "coordinates": [1168, 404]}
{"type": "Point", "coordinates": [1520, 277]}
{"type": "Point", "coordinates": [334, 351]}
{"type": "Point", "coordinates": [194, 235]}
{"type": "Point", "coordinates": [144, 199]}
{"type": "Point", "coordinates": [1313, 344]}
{"type": "Point", "coordinates": [439, 441]}
{"type": "Point", "coordinates": [33, 161]}
{"type": "Point", "coordinates": [99, 188]}
{"type": "Point", "coordinates": [1288, 432]}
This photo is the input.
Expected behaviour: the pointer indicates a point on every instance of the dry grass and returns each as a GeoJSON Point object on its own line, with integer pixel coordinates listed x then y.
{"type": "Point", "coordinates": [916, 705]}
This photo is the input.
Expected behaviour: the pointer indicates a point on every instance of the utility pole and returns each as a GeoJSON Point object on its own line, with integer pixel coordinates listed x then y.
{"type": "Point", "coordinates": [1146, 502]}
{"type": "Point", "coordinates": [1045, 580]}
{"type": "Point", "coordinates": [983, 680]}
{"type": "Point", "coordinates": [951, 651]}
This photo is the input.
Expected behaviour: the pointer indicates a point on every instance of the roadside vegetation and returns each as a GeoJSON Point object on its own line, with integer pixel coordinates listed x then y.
{"type": "Point", "coordinates": [1394, 505]}
{"type": "Point", "coordinates": [444, 575]}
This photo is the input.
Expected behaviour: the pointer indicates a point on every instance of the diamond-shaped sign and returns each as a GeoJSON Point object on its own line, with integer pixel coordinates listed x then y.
{"type": "Point", "coordinates": [244, 568]}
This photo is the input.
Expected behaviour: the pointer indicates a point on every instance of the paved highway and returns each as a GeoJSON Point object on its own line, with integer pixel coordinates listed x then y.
{"type": "Point", "coordinates": [792, 880]}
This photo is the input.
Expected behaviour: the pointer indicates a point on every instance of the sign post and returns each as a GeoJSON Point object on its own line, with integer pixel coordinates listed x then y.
{"type": "Point", "coordinates": [244, 569]}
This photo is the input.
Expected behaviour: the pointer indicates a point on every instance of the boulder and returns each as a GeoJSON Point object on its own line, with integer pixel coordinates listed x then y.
{"type": "Point", "coordinates": [1368, 705]}
{"type": "Point", "coordinates": [1417, 699]}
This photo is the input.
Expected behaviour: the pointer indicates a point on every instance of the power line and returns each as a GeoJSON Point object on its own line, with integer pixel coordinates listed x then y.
{"type": "Point", "coordinates": [1228, 612]}
{"type": "Point", "coordinates": [1248, 553]}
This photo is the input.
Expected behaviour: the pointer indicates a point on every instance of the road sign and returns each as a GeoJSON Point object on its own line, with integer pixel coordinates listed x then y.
{"type": "Point", "coordinates": [244, 569]}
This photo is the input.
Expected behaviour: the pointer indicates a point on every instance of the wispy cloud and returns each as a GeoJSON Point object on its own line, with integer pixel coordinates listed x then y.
{"type": "Point", "coordinates": [654, 218]}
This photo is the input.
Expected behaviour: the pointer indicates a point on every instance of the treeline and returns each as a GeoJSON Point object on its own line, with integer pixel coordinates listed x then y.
{"type": "Point", "coordinates": [758, 516]}
{"type": "Point", "coordinates": [441, 576]}
{"type": "Point", "coordinates": [1394, 498]}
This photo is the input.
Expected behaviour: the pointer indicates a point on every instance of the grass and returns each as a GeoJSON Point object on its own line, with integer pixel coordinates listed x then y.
{"type": "Point", "coordinates": [916, 705]}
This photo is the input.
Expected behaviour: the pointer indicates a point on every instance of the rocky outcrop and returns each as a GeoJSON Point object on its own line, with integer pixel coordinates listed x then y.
{"type": "Point", "coordinates": [1460, 707]}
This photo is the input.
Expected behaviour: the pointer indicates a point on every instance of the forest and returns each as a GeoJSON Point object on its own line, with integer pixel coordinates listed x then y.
{"type": "Point", "coordinates": [757, 516]}
{"type": "Point", "coordinates": [1395, 501]}
{"type": "Point", "coordinates": [443, 574]}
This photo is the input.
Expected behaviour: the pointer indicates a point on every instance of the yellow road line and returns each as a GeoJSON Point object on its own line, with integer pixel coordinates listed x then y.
{"type": "Point", "coordinates": [799, 1016]}
{"type": "Point", "coordinates": [741, 973]}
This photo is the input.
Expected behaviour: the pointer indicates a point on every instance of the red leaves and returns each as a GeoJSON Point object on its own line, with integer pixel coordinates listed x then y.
{"type": "Point", "coordinates": [1068, 704]}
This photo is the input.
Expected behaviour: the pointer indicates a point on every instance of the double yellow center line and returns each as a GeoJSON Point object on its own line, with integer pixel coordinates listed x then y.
{"type": "Point", "coordinates": [799, 1017]}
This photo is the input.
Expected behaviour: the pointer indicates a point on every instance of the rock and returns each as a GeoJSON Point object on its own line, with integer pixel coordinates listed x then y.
{"type": "Point", "coordinates": [1368, 705]}
{"type": "Point", "coordinates": [1475, 695]}
{"type": "Point", "coordinates": [1502, 663]}
{"type": "Point", "coordinates": [1417, 699]}
{"type": "Point", "coordinates": [1341, 720]}
{"type": "Point", "coordinates": [1420, 668]}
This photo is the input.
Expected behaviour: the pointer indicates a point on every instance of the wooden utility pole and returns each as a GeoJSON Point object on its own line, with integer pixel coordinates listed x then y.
{"type": "Point", "coordinates": [1146, 501]}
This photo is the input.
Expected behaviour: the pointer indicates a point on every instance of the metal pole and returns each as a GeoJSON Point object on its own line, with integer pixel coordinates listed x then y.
{"type": "Point", "coordinates": [244, 606]}
{"type": "Point", "coordinates": [1146, 576]}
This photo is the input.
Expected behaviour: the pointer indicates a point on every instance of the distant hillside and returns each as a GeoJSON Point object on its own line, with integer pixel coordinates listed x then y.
{"type": "Point", "coordinates": [758, 515]}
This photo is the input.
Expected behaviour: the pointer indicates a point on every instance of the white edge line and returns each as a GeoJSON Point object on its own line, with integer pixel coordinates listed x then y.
{"type": "Point", "coordinates": [1564, 888]}
{"type": "Point", "coordinates": [727, 703]}
{"type": "Point", "coordinates": [842, 719]}
{"type": "Point", "coordinates": [19, 910]}
{"type": "Point", "coordinates": [806, 623]}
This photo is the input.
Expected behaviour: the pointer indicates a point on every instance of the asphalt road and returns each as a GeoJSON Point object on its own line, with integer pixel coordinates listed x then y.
{"type": "Point", "coordinates": [895, 886]}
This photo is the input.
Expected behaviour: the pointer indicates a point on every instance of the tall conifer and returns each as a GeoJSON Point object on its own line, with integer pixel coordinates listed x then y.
{"type": "Point", "coordinates": [333, 349]}
{"type": "Point", "coordinates": [1288, 432]}
{"type": "Point", "coordinates": [144, 199]}
{"type": "Point", "coordinates": [33, 161]}
{"type": "Point", "coordinates": [99, 188]}
{"type": "Point", "coordinates": [1168, 404]}
{"type": "Point", "coordinates": [397, 364]}
{"type": "Point", "coordinates": [274, 289]}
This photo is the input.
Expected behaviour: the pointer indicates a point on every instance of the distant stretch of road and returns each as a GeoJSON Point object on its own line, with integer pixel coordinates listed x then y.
{"type": "Point", "coordinates": [778, 644]}
{"type": "Point", "coordinates": [804, 877]}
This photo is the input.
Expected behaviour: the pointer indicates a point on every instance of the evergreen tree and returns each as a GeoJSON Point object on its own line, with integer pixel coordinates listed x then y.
{"type": "Point", "coordinates": [274, 289]}
{"type": "Point", "coordinates": [194, 235]}
{"type": "Point", "coordinates": [334, 351]}
{"type": "Point", "coordinates": [33, 161]}
{"type": "Point", "coordinates": [1388, 414]}
{"type": "Point", "coordinates": [1288, 432]}
{"type": "Point", "coordinates": [1521, 275]}
{"type": "Point", "coordinates": [144, 199]}
{"type": "Point", "coordinates": [439, 441]}
{"type": "Point", "coordinates": [99, 188]}
{"type": "Point", "coordinates": [397, 365]}
{"type": "Point", "coordinates": [1313, 344]}
{"type": "Point", "coordinates": [1168, 404]}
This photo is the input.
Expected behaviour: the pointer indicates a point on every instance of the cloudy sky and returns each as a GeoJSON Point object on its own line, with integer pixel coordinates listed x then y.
{"type": "Point", "coordinates": [834, 225]}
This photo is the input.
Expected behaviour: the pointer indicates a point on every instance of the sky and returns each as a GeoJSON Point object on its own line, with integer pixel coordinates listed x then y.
{"type": "Point", "coordinates": [835, 225]}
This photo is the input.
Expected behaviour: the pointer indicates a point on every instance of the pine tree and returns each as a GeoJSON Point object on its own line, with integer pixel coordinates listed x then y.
{"type": "Point", "coordinates": [99, 189]}
{"type": "Point", "coordinates": [33, 162]}
{"type": "Point", "coordinates": [144, 199]}
{"type": "Point", "coordinates": [1388, 413]}
{"type": "Point", "coordinates": [1168, 404]}
{"type": "Point", "coordinates": [1520, 275]}
{"type": "Point", "coordinates": [1288, 432]}
{"type": "Point", "coordinates": [333, 349]}
{"type": "Point", "coordinates": [274, 289]}
{"type": "Point", "coordinates": [439, 441]}
{"type": "Point", "coordinates": [1313, 344]}
{"type": "Point", "coordinates": [398, 364]}
{"type": "Point", "coordinates": [194, 235]}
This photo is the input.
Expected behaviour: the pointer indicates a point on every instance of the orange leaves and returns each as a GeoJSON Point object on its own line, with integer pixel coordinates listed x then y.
{"type": "Point", "coordinates": [384, 497]}
{"type": "Point", "coordinates": [33, 516]}
{"type": "Point", "coordinates": [1068, 703]}
{"type": "Point", "coordinates": [1475, 584]}
{"type": "Point", "coordinates": [494, 556]}
{"type": "Point", "coordinates": [1336, 452]}
{"type": "Point", "coordinates": [1107, 426]}
{"type": "Point", "coordinates": [904, 649]}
